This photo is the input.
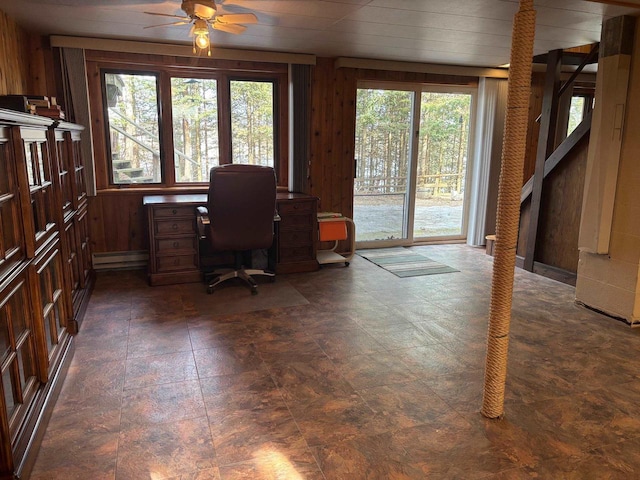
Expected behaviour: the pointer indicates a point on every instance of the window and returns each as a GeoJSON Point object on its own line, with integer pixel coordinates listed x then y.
{"type": "Point", "coordinates": [133, 122]}
{"type": "Point", "coordinates": [576, 112]}
{"type": "Point", "coordinates": [166, 124]}
{"type": "Point", "coordinates": [252, 122]}
{"type": "Point", "coordinates": [195, 128]}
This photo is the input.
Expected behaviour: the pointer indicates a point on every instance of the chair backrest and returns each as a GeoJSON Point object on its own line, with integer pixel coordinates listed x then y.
{"type": "Point", "coordinates": [241, 204]}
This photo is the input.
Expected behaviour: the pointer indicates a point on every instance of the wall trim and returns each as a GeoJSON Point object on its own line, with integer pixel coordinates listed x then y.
{"type": "Point", "coordinates": [397, 66]}
{"type": "Point", "coordinates": [120, 260]}
{"type": "Point", "coordinates": [128, 46]}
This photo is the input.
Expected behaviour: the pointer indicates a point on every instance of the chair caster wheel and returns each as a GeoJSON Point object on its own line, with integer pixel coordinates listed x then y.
{"type": "Point", "coordinates": [346, 264]}
{"type": "Point", "coordinates": [209, 290]}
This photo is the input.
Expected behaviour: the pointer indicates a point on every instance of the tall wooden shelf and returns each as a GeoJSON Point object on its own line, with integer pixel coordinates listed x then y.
{"type": "Point", "coordinates": [45, 274]}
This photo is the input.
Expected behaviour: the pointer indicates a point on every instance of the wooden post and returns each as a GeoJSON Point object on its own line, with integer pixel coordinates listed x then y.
{"type": "Point", "coordinates": [546, 145]}
{"type": "Point", "coordinates": [508, 215]}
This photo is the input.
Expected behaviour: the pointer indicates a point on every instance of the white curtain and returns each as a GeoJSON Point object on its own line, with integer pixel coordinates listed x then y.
{"type": "Point", "coordinates": [492, 102]}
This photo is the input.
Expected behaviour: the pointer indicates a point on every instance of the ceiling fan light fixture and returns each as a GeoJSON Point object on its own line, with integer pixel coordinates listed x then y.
{"type": "Point", "coordinates": [201, 39]}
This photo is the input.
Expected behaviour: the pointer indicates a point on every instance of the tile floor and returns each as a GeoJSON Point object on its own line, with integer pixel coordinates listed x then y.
{"type": "Point", "coordinates": [346, 373]}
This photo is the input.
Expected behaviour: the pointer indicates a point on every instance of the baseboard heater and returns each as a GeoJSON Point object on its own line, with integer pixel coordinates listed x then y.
{"type": "Point", "coordinates": [120, 260]}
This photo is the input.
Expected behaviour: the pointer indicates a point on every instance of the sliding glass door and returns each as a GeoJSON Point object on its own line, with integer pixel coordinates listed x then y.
{"type": "Point", "coordinates": [411, 187]}
{"type": "Point", "coordinates": [383, 137]}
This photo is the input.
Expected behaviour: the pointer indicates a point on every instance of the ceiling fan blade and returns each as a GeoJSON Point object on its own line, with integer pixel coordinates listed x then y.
{"type": "Point", "coordinates": [181, 22]}
{"type": "Point", "coordinates": [229, 27]}
{"type": "Point", "coordinates": [165, 15]}
{"type": "Point", "coordinates": [237, 18]}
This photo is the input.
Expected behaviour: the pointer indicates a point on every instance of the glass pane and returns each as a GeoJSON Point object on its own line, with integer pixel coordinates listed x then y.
{"type": "Point", "coordinates": [18, 308]}
{"type": "Point", "coordinates": [30, 165]}
{"type": "Point", "coordinates": [383, 133]}
{"type": "Point", "coordinates": [8, 223]}
{"type": "Point", "coordinates": [133, 127]}
{"type": "Point", "coordinates": [576, 112]}
{"type": "Point", "coordinates": [50, 332]}
{"type": "Point", "coordinates": [60, 322]}
{"type": "Point", "coordinates": [194, 104]}
{"type": "Point", "coordinates": [252, 122]}
{"type": "Point", "coordinates": [4, 170]}
{"type": "Point", "coordinates": [40, 163]}
{"type": "Point", "coordinates": [5, 342]}
{"type": "Point", "coordinates": [8, 392]}
{"type": "Point", "coordinates": [442, 164]}
{"type": "Point", "coordinates": [26, 365]}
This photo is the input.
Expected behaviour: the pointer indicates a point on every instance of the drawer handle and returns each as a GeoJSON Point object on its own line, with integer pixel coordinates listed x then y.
{"type": "Point", "coordinates": [176, 244]}
{"type": "Point", "coordinates": [174, 226]}
{"type": "Point", "coordinates": [296, 206]}
{"type": "Point", "coordinates": [174, 211]}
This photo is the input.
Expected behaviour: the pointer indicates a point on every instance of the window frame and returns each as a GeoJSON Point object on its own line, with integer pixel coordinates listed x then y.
{"type": "Point", "coordinates": [165, 68]}
{"type": "Point", "coordinates": [107, 133]}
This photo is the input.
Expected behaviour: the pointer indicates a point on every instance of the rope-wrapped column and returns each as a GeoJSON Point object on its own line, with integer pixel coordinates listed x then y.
{"type": "Point", "coordinates": [508, 215]}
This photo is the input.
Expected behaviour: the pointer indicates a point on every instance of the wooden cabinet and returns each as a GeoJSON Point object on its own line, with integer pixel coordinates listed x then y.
{"type": "Point", "coordinates": [173, 238]}
{"type": "Point", "coordinates": [44, 268]}
{"type": "Point", "coordinates": [297, 233]}
{"type": "Point", "coordinates": [174, 244]}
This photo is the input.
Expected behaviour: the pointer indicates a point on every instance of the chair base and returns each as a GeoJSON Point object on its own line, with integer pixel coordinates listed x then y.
{"type": "Point", "coordinates": [243, 274]}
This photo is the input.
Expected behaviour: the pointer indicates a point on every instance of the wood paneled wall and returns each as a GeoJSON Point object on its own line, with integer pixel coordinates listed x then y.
{"type": "Point", "coordinates": [560, 210]}
{"type": "Point", "coordinates": [333, 114]}
{"type": "Point", "coordinates": [14, 57]}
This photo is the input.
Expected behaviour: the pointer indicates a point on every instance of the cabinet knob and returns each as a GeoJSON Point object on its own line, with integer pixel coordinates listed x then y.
{"type": "Point", "coordinates": [176, 244]}
{"type": "Point", "coordinates": [174, 226]}
{"type": "Point", "coordinates": [174, 211]}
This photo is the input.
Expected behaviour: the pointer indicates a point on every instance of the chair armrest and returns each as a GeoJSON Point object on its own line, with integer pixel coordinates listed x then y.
{"type": "Point", "coordinates": [202, 219]}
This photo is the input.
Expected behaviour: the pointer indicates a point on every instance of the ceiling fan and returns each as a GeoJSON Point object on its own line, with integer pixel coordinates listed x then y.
{"type": "Point", "coordinates": [202, 15]}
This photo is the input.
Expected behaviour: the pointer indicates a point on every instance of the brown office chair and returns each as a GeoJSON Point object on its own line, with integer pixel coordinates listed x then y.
{"type": "Point", "coordinates": [239, 217]}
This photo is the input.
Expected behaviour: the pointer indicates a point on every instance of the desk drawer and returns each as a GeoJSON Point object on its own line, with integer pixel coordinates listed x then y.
{"type": "Point", "coordinates": [295, 208]}
{"type": "Point", "coordinates": [166, 246]}
{"type": "Point", "coordinates": [177, 262]}
{"type": "Point", "coordinates": [176, 225]}
{"type": "Point", "coordinates": [296, 222]}
{"type": "Point", "coordinates": [163, 212]}
{"type": "Point", "coordinates": [296, 237]}
{"type": "Point", "coordinates": [294, 254]}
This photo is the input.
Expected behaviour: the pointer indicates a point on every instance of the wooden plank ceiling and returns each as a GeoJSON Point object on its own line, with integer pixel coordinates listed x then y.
{"type": "Point", "coordinates": [458, 32]}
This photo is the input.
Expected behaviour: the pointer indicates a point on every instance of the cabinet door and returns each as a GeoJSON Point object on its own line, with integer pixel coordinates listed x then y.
{"type": "Point", "coordinates": [65, 170]}
{"type": "Point", "coordinates": [75, 154]}
{"type": "Point", "coordinates": [84, 247]}
{"type": "Point", "coordinates": [17, 343]}
{"type": "Point", "coordinates": [34, 176]}
{"type": "Point", "coordinates": [11, 238]}
{"type": "Point", "coordinates": [49, 308]}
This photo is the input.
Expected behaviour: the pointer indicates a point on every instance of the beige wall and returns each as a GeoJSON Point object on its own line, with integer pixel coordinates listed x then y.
{"type": "Point", "coordinates": [610, 282]}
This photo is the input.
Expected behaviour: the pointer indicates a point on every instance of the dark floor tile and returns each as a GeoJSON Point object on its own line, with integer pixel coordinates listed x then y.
{"type": "Point", "coordinates": [158, 369]}
{"type": "Point", "coordinates": [148, 338]}
{"type": "Point", "coordinates": [382, 368]}
{"type": "Point", "coordinates": [366, 457]}
{"type": "Point", "coordinates": [240, 436]}
{"type": "Point", "coordinates": [227, 360]}
{"type": "Point", "coordinates": [168, 402]}
{"type": "Point", "coordinates": [212, 332]}
{"type": "Point", "coordinates": [405, 405]}
{"type": "Point", "coordinates": [165, 450]}
{"type": "Point", "coordinates": [251, 390]}
{"type": "Point", "coordinates": [275, 463]}
{"type": "Point", "coordinates": [347, 343]}
{"type": "Point", "coordinates": [76, 454]}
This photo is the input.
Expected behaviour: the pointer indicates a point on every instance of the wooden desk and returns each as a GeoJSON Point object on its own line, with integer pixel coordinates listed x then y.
{"type": "Point", "coordinates": [173, 237]}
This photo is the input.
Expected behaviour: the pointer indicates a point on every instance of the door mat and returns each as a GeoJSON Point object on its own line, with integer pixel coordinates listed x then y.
{"type": "Point", "coordinates": [404, 263]}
